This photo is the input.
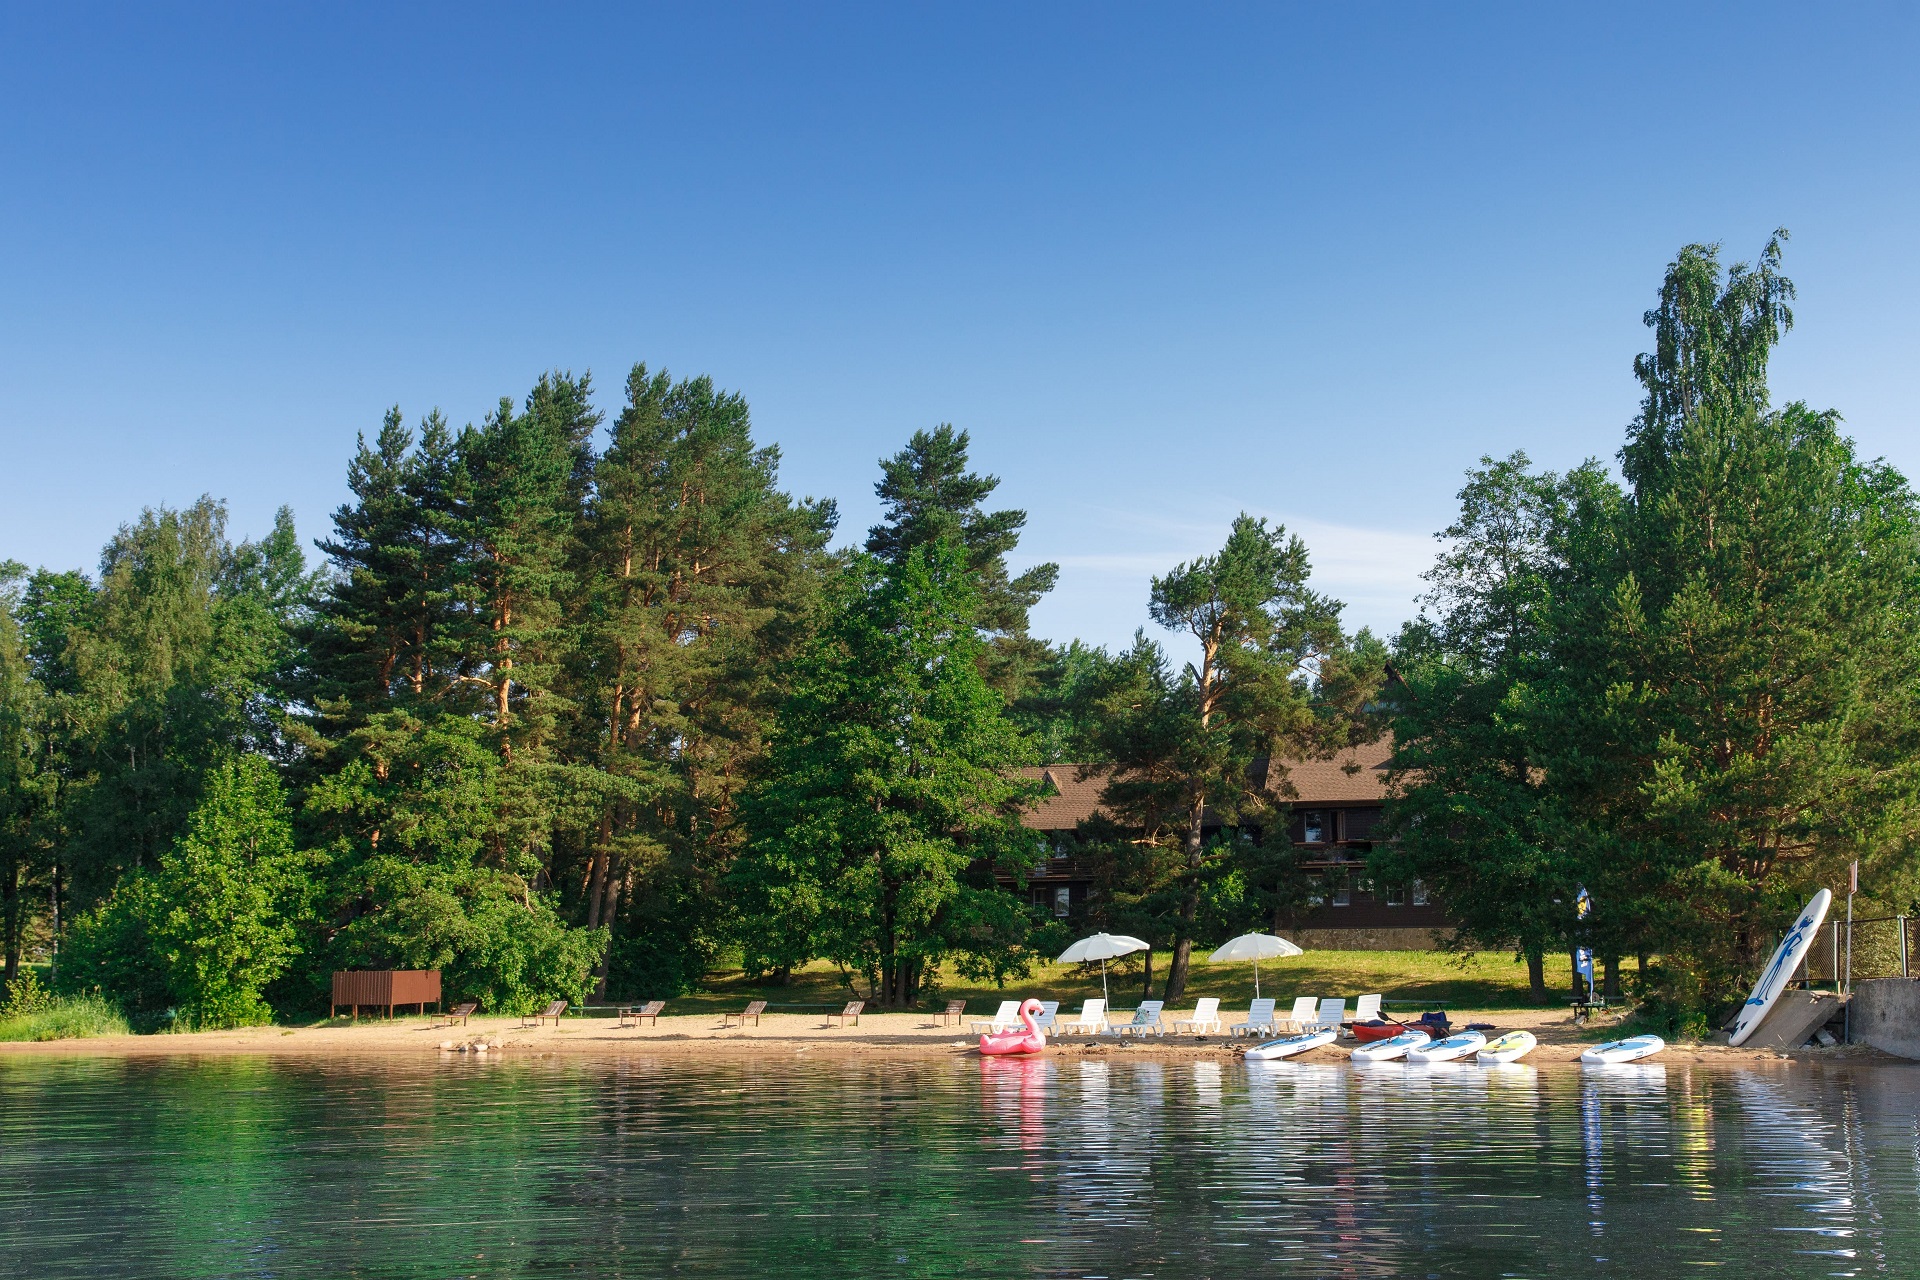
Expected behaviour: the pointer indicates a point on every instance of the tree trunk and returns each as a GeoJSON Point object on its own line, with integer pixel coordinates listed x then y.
{"type": "Point", "coordinates": [1580, 989]}
{"type": "Point", "coordinates": [1146, 980]}
{"type": "Point", "coordinates": [10, 913]}
{"type": "Point", "coordinates": [606, 958]}
{"type": "Point", "coordinates": [1610, 984]}
{"type": "Point", "coordinates": [1537, 976]}
{"type": "Point", "coordinates": [1189, 904]}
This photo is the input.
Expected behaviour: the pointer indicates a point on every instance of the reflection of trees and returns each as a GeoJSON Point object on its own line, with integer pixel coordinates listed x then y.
{"type": "Point", "coordinates": [840, 1169]}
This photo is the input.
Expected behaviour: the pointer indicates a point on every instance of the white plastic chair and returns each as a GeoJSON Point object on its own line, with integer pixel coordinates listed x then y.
{"type": "Point", "coordinates": [1259, 1020]}
{"type": "Point", "coordinates": [1333, 1012]}
{"type": "Point", "coordinates": [1049, 1009]}
{"type": "Point", "coordinates": [1303, 1013]}
{"type": "Point", "coordinates": [1366, 1008]}
{"type": "Point", "coordinates": [1008, 1014]}
{"type": "Point", "coordinates": [1205, 1019]}
{"type": "Point", "coordinates": [1146, 1018]}
{"type": "Point", "coordinates": [1092, 1020]}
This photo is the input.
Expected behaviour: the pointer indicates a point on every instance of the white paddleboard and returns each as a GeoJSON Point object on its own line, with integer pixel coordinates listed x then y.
{"type": "Point", "coordinates": [1392, 1047]}
{"type": "Point", "coordinates": [1630, 1050]}
{"type": "Point", "coordinates": [1779, 971]}
{"type": "Point", "coordinates": [1292, 1045]}
{"type": "Point", "coordinates": [1449, 1049]}
{"type": "Point", "coordinates": [1510, 1047]}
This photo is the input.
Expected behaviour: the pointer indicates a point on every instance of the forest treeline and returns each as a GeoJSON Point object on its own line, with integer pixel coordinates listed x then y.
{"type": "Point", "coordinates": [565, 704]}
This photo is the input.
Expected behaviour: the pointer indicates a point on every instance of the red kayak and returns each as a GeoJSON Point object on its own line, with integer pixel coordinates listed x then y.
{"type": "Point", "coordinates": [1376, 1029]}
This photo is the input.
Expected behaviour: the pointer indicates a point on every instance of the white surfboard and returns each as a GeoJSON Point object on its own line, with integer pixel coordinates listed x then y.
{"type": "Point", "coordinates": [1292, 1045]}
{"type": "Point", "coordinates": [1449, 1049]}
{"type": "Point", "coordinates": [1779, 971]}
{"type": "Point", "coordinates": [1510, 1047]}
{"type": "Point", "coordinates": [1631, 1049]}
{"type": "Point", "coordinates": [1392, 1047]}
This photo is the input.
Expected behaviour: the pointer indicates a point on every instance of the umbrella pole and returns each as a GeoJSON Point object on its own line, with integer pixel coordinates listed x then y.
{"type": "Point", "coordinates": [1103, 978]}
{"type": "Point", "coordinates": [1256, 977]}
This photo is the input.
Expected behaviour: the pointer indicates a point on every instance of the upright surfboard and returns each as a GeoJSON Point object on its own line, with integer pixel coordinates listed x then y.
{"type": "Point", "coordinates": [1779, 971]}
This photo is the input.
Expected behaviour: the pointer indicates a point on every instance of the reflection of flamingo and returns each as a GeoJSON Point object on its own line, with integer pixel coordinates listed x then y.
{"type": "Point", "coordinates": [1032, 1040]}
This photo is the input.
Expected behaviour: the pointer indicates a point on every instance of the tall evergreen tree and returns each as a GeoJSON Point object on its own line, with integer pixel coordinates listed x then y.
{"type": "Point", "coordinates": [930, 496]}
{"type": "Point", "coordinates": [889, 794]}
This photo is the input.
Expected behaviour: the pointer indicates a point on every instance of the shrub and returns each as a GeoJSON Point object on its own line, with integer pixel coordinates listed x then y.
{"type": "Point", "coordinates": [64, 1018]}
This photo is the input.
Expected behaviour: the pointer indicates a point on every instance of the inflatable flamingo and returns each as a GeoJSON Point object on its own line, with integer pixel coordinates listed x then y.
{"type": "Point", "coordinates": [1032, 1040]}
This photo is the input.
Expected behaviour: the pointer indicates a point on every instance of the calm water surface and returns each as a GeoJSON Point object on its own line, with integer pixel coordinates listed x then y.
{"type": "Point", "coordinates": [288, 1167]}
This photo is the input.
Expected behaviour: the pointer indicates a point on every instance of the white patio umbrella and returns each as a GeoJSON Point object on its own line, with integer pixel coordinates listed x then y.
{"type": "Point", "coordinates": [1256, 947]}
{"type": "Point", "coordinates": [1102, 947]}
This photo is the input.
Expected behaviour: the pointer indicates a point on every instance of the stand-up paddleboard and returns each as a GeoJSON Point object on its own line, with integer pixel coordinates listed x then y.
{"type": "Point", "coordinates": [1779, 971]}
{"type": "Point", "coordinates": [1510, 1047]}
{"type": "Point", "coordinates": [1292, 1045]}
{"type": "Point", "coordinates": [1389, 1049]}
{"type": "Point", "coordinates": [1630, 1050]}
{"type": "Point", "coordinates": [1449, 1049]}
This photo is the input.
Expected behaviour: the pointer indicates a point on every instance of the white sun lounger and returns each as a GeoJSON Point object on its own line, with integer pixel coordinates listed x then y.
{"type": "Point", "coordinates": [1092, 1020]}
{"type": "Point", "coordinates": [1366, 1008]}
{"type": "Point", "coordinates": [1008, 1014]}
{"type": "Point", "coordinates": [1146, 1018]}
{"type": "Point", "coordinates": [1205, 1020]}
{"type": "Point", "coordinates": [1259, 1020]}
{"type": "Point", "coordinates": [1333, 1012]}
{"type": "Point", "coordinates": [1049, 1009]}
{"type": "Point", "coordinates": [1301, 1019]}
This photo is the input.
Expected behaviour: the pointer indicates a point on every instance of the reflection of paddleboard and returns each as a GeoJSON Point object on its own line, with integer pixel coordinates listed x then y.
{"type": "Point", "coordinates": [1510, 1047]}
{"type": "Point", "coordinates": [1779, 971]}
{"type": "Point", "coordinates": [1387, 1050]}
{"type": "Point", "coordinates": [1292, 1045]}
{"type": "Point", "coordinates": [1629, 1050]}
{"type": "Point", "coordinates": [1449, 1049]}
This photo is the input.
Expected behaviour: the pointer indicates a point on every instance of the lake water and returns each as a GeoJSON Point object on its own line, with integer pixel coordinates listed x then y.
{"type": "Point", "coordinates": [266, 1167]}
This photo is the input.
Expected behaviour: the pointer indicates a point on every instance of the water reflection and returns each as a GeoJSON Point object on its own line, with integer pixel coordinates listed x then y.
{"type": "Point", "coordinates": [1036, 1167]}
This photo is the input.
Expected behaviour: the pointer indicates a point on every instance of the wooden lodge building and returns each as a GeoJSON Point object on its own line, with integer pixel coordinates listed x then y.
{"type": "Point", "coordinates": [1334, 814]}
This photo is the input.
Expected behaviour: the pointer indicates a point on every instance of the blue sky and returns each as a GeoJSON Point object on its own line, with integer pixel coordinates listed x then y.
{"type": "Point", "coordinates": [1164, 263]}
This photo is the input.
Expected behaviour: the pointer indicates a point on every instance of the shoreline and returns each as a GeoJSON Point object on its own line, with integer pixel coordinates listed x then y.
{"type": "Point", "coordinates": [899, 1036]}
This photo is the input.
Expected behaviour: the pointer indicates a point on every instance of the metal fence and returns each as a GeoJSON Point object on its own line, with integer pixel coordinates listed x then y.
{"type": "Point", "coordinates": [1871, 947]}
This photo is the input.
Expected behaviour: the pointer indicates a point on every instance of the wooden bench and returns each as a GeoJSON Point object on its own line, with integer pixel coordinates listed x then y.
{"type": "Point", "coordinates": [459, 1013]}
{"type": "Point", "coordinates": [753, 1010]}
{"type": "Point", "coordinates": [649, 1011]}
{"type": "Point", "coordinates": [554, 1010]}
{"type": "Point", "coordinates": [955, 1011]}
{"type": "Point", "coordinates": [849, 1014]}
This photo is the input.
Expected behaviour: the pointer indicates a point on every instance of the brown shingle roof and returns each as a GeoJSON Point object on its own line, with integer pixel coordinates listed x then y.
{"type": "Point", "coordinates": [1357, 776]}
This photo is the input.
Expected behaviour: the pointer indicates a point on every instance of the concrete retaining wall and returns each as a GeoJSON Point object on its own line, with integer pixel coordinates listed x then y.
{"type": "Point", "coordinates": [1885, 1013]}
{"type": "Point", "coordinates": [1382, 939]}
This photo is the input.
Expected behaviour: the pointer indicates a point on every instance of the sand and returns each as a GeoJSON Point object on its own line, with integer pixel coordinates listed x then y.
{"type": "Point", "coordinates": [889, 1035]}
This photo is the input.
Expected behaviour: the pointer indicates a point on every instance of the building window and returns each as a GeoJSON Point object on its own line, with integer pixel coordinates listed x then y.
{"type": "Point", "coordinates": [1397, 896]}
{"type": "Point", "coordinates": [1419, 894]}
{"type": "Point", "coordinates": [1313, 828]}
{"type": "Point", "coordinates": [1316, 892]}
{"type": "Point", "coordinates": [1062, 901]}
{"type": "Point", "coordinates": [1343, 897]}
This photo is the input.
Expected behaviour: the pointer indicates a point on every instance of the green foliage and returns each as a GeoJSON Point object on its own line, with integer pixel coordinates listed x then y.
{"type": "Point", "coordinates": [25, 995]}
{"type": "Point", "coordinates": [888, 796]}
{"type": "Point", "coordinates": [217, 922]}
{"type": "Point", "coordinates": [65, 1018]}
{"type": "Point", "coordinates": [931, 497]}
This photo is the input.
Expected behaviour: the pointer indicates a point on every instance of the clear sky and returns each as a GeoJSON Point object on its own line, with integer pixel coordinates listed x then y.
{"type": "Point", "coordinates": [1164, 263]}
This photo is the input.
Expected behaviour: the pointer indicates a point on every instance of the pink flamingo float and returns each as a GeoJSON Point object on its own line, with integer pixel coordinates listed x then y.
{"type": "Point", "coordinates": [1032, 1040]}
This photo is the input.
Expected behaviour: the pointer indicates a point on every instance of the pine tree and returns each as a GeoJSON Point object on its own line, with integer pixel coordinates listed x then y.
{"type": "Point", "coordinates": [930, 496]}
{"type": "Point", "coordinates": [889, 794]}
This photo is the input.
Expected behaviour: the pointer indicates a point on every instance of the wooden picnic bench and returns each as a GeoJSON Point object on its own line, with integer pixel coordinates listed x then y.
{"type": "Point", "coordinates": [635, 1012]}
{"type": "Point", "coordinates": [555, 1010]}
{"type": "Point", "coordinates": [955, 1010]}
{"type": "Point", "coordinates": [753, 1010]}
{"type": "Point", "coordinates": [849, 1014]}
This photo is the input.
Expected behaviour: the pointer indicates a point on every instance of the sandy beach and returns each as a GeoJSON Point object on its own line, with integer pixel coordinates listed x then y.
{"type": "Point", "coordinates": [889, 1035]}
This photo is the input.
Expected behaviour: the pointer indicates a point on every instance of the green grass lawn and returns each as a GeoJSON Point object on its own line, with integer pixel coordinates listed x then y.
{"type": "Point", "coordinates": [1485, 981]}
